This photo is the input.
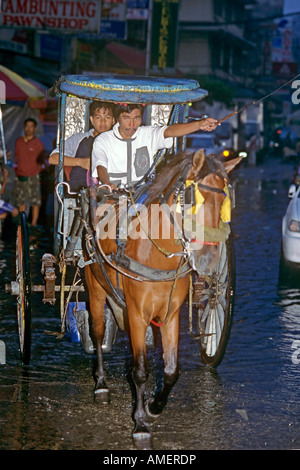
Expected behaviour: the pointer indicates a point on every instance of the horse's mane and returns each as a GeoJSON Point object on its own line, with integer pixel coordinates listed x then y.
{"type": "Point", "coordinates": [167, 171]}
{"type": "Point", "coordinates": [172, 167]}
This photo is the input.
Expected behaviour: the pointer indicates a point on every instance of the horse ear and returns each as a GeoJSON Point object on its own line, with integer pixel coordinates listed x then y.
{"type": "Point", "coordinates": [231, 164]}
{"type": "Point", "coordinates": [198, 159]}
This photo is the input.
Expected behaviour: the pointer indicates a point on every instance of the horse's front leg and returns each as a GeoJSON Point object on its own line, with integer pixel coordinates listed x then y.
{"type": "Point", "coordinates": [139, 375]}
{"type": "Point", "coordinates": [97, 302]}
{"type": "Point", "coordinates": [170, 335]}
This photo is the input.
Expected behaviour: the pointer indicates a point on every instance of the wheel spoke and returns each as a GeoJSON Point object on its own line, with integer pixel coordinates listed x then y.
{"type": "Point", "coordinates": [216, 308]}
{"type": "Point", "coordinates": [24, 291]}
{"type": "Point", "coordinates": [223, 269]}
{"type": "Point", "coordinates": [211, 332]}
{"type": "Point", "coordinates": [222, 303]}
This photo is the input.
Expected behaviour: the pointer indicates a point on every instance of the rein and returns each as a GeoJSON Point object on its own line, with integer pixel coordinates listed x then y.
{"type": "Point", "coordinates": [140, 271]}
{"type": "Point", "coordinates": [137, 271]}
{"type": "Point", "coordinates": [165, 252]}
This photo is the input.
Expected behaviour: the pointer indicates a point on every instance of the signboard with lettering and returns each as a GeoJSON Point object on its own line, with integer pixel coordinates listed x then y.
{"type": "Point", "coordinates": [113, 19]}
{"type": "Point", "coordinates": [137, 9]}
{"type": "Point", "coordinates": [164, 33]}
{"type": "Point", "coordinates": [72, 15]}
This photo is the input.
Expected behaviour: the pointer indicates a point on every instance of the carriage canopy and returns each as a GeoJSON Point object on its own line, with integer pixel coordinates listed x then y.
{"type": "Point", "coordinates": [132, 89]}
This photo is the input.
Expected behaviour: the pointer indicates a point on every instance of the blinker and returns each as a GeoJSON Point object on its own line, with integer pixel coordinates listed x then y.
{"type": "Point", "coordinates": [193, 198]}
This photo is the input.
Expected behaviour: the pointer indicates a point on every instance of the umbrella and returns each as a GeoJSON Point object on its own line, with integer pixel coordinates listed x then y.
{"type": "Point", "coordinates": [17, 90]}
{"type": "Point", "coordinates": [40, 103]}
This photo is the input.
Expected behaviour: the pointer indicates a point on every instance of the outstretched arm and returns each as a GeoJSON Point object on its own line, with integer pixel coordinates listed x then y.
{"type": "Point", "coordinates": [179, 130]}
{"type": "Point", "coordinates": [70, 161]}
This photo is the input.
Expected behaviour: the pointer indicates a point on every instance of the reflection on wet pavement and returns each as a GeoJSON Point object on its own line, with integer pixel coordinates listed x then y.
{"type": "Point", "coordinates": [252, 401]}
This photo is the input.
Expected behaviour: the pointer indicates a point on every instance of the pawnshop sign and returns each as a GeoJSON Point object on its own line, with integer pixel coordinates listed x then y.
{"type": "Point", "coordinates": [73, 15]}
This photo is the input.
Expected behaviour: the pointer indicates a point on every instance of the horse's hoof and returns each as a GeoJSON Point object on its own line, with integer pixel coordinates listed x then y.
{"type": "Point", "coordinates": [147, 408]}
{"type": "Point", "coordinates": [142, 440]}
{"type": "Point", "coordinates": [102, 395]}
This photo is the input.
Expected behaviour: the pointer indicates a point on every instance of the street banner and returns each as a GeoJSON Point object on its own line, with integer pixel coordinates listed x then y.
{"type": "Point", "coordinates": [164, 33]}
{"type": "Point", "coordinates": [72, 15]}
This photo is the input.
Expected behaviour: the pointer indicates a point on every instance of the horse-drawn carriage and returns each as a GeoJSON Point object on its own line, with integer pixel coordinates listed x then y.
{"type": "Point", "coordinates": [140, 290]}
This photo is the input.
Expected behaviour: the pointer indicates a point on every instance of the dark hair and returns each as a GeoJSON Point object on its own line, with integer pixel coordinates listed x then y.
{"type": "Point", "coordinates": [101, 104]}
{"type": "Point", "coordinates": [127, 108]}
{"type": "Point", "coordinates": [30, 120]}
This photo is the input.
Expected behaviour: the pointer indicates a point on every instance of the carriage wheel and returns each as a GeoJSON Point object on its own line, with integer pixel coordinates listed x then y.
{"type": "Point", "coordinates": [24, 290]}
{"type": "Point", "coordinates": [215, 311]}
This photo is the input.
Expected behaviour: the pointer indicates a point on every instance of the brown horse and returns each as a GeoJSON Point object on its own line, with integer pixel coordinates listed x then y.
{"type": "Point", "coordinates": [149, 272]}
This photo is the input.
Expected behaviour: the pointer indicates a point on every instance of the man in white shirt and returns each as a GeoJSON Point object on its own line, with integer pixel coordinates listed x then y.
{"type": "Point", "coordinates": [124, 154]}
{"type": "Point", "coordinates": [78, 147]}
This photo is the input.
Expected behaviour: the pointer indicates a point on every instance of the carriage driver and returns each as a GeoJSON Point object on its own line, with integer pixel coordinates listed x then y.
{"type": "Point", "coordinates": [78, 147]}
{"type": "Point", "coordinates": [124, 154]}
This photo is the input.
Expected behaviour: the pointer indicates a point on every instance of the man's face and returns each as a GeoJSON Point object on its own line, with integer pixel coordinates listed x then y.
{"type": "Point", "coordinates": [102, 120]}
{"type": "Point", "coordinates": [129, 123]}
{"type": "Point", "coordinates": [29, 129]}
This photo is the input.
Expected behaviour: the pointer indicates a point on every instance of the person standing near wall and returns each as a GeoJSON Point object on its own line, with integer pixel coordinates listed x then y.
{"type": "Point", "coordinates": [28, 153]}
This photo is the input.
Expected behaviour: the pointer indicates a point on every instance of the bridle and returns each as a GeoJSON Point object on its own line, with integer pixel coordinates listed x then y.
{"type": "Point", "coordinates": [180, 190]}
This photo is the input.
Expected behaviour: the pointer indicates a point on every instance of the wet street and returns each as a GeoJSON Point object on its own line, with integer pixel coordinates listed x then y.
{"type": "Point", "coordinates": [251, 401]}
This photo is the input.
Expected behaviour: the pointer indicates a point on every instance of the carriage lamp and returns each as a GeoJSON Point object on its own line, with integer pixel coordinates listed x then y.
{"type": "Point", "coordinates": [294, 226]}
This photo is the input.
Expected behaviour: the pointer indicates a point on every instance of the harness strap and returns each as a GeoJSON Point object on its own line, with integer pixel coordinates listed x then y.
{"type": "Point", "coordinates": [166, 208]}
{"type": "Point", "coordinates": [181, 264]}
{"type": "Point", "coordinates": [152, 274]}
{"type": "Point", "coordinates": [144, 273]}
{"type": "Point", "coordinates": [210, 188]}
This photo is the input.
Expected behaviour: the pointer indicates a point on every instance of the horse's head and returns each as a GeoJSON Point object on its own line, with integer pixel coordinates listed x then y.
{"type": "Point", "coordinates": [206, 210]}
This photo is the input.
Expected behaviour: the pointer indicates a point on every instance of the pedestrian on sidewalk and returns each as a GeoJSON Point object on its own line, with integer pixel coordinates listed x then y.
{"type": "Point", "coordinates": [29, 157]}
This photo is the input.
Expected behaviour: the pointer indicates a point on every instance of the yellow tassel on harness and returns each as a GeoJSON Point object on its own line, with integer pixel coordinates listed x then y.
{"type": "Point", "coordinates": [226, 207]}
